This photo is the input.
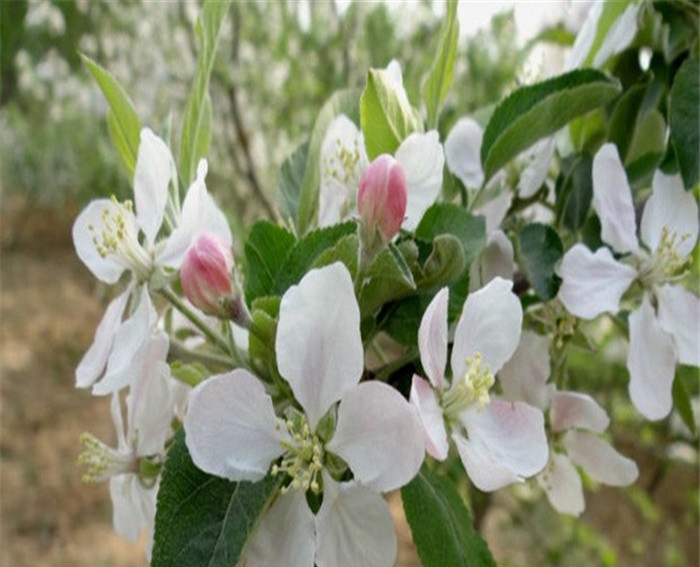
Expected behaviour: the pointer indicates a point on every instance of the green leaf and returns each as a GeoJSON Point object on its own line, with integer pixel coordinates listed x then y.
{"type": "Point", "coordinates": [344, 251]}
{"type": "Point", "coordinates": [647, 149]}
{"type": "Point", "coordinates": [265, 251]}
{"type": "Point", "coordinates": [574, 190]}
{"type": "Point", "coordinates": [122, 121]}
{"type": "Point", "coordinates": [445, 263]}
{"type": "Point", "coordinates": [682, 403]}
{"type": "Point", "coordinates": [196, 128]}
{"type": "Point", "coordinates": [289, 183]}
{"type": "Point", "coordinates": [624, 118]}
{"type": "Point", "coordinates": [533, 112]}
{"type": "Point", "coordinates": [684, 116]}
{"type": "Point", "coordinates": [440, 78]}
{"type": "Point", "coordinates": [261, 339]}
{"type": "Point", "coordinates": [341, 102]}
{"type": "Point", "coordinates": [386, 118]}
{"type": "Point", "coordinates": [539, 249]}
{"type": "Point", "coordinates": [402, 319]}
{"type": "Point", "coordinates": [202, 519]}
{"type": "Point", "coordinates": [441, 525]}
{"type": "Point", "coordinates": [387, 278]}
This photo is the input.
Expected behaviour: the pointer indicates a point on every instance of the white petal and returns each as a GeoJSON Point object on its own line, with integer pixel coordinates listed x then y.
{"type": "Point", "coordinates": [463, 152]}
{"type": "Point", "coordinates": [506, 443]}
{"type": "Point", "coordinates": [434, 433]}
{"type": "Point", "coordinates": [673, 208]}
{"type": "Point", "coordinates": [592, 283]}
{"type": "Point", "coordinates": [86, 228]}
{"type": "Point", "coordinates": [395, 76]}
{"type": "Point", "coordinates": [585, 37]}
{"type": "Point", "coordinates": [154, 170]}
{"type": "Point", "coordinates": [231, 428]}
{"type": "Point", "coordinates": [354, 528]}
{"type": "Point", "coordinates": [538, 158]}
{"type": "Point", "coordinates": [562, 484]}
{"type": "Point", "coordinates": [379, 435]}
{"type": "Point", "coordinates": [571, 409]}
{"type": "Point", "coordinates": [612, 201]}
{"type": "Point", "coordinates": [496, 209]}
{"type": "Point", "coordinates": [495, 260]}
{"type": "Point", "coordinates": [286, 536]}
{"type": "Point", "coordinates": [133, 506]}
{"type": "Point", "coordinates": [318, 344]}
{"type": "Point", "coordinates": [619, 36]}
{"type": "Point", "coordinates": [524, 377]}
{"type": "Point", "coordinates": [432, 338]}
{"type": "Point", "coordinates": [490, 324]}
{"type": "Point", "coordinates": [600, 461]}
{"type": "Point", "coordinates": [422, 159]}
{"type": "Point", "coordinates": [93, 362]}
{"type": "Point", "coordinates": [651, 362]}
{"type": "Point", "coordinates": [679, 315]}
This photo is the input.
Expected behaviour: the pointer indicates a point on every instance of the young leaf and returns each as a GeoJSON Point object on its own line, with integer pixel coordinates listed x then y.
{"type": "Point", "coordinates": [387, 278]}
{"type": "Point", "coordinates": [196, 129]}
{"type": "Point", "coordinates": [539, 249]}
{"type": "Point", "coordinates": [203, 519]}
{"type": "Point", "coordinates": [441, 525]}
{"type": "Point", "coordinates": [574, 190]}
{"type": "Point", "coordinates": [438, 83]}
{"type": "Point", "coordinates": [533, 112]}
{"type": "Point", "coordinates": [122, 121]}
{"type": "Point", "coordinates": [684, 116]}
{"type": "Point", "coordinates": [682, 401]}
{"type": "Point", "coordinates": [265, 251]}
{"type": "Point", "coordinates": [290, 181]}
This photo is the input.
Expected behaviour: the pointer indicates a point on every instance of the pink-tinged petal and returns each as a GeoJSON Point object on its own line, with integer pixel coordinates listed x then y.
{"type": "Point", "coordinates": [679, 315]}
{"type": "Point", "coordinates": [592, 283]}
{"type": "Point", "coordinates": [538, 159]}
{"type": "Point", "coordinates": [87, 228]}
{"type": "Point", "coordinates": [432, 338]}
{"type": "Point", "coordinates": [380, 436]}
{"type": "Point", "coordinates": [651, 362]}
{"type": "Point", "coordinates": [133, 506]}
{"type": "Point", "coordinates": [524, 377]}
{"type": "Point", "coordinates": [562, 484]}
{"type": "Point", "coordinates": [425, 401]}
{"type": "Point", "coordinates": [318, 344]}
{"type": "Point", "coordinates": [598, 458]}
{"type": "Point", "coordinates": [505, 443]}
{"type": "Point", "coordinates": [154, 170]}
{"type": "Point", "coordinates": [231, 428]}
{"type": "Point", "coordinates": [463, 150]}
{"type": "Point", "coordinates": [612, 201]}
{"type": "Point", "coordinates": [490, 324]}
{"type": "Point", "coordinates": [574, 410]}
{"type": "Point", "coordinates": [354, 528]}
{"type": "Point", "coordinates": [286, 536]}
{"type": "Point", "coordinates": [670, 208]}
{"type": "Point", "coordinates": [93, 362]}
{"type": "Point", "coordinates": [422, 160]}
{"type": "Point", "coordinates": [619, 36]}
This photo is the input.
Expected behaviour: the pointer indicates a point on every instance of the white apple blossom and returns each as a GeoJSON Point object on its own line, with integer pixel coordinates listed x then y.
{"type": "Point", "coordinates": [665, 328]}
{"type": "Point", "coordinates": [232, 431]}
{"type": "Point", "coordinates": [499, 442]}
{"type": "Point", "coordinates": [576, 423]}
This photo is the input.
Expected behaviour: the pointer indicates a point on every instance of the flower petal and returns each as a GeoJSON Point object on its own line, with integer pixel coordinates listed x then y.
{"type": "Point", "coordinates": [506, 443]}
{"type": "Point", "coordinates": [354, 528]}
{"type": "Point", "coordinates": [133, 506]}
{"type": "Point", "coordinates": [490, 324]}
{"type": "Point", "coordinates": [679, 315]}
{"type": "Point", "coordinates": [538, 159]}
{"type": "Point", "coordinates": [286, 535]}
{"type": "Point", "coordinates": [584, 39]}
{"type": "Point", "coordinates": [153, 172]}
{"type": "Point", "coordinates": [434, 433]}
{"type": "Point", "coordinates": [231, 428]}
{"type": "Point", "coordinates": [432, 338]}
{"type": "Point", "coordinates": [318, 344]}
{"type": "Point", "coordinates": [592, 283]}
{"type": "Point", "coordinates": [651, 362]}
{"type": "Point", "coordinates": [496, 259]}
{"type": "Point", "coordinates": [495, 210]}
{"type": "Point", "coordinates": [574, 410]}
{"type": "Point", "coordinates": [562, 484]}
{"type": "Point", "coordinates": [422, 160]}
{"type": "Point", "coordinates": [619, 36]}
{"type": "Point", "coordinates": [93, 362]}
{"type": "Point", "coordinates": [524, 377]}
{"type": "Point", "coordinates": [600, 461]}
{"type": "Point", "coordinates": [379, 435]}
{"type": "Point", "coordinates": [673, 209]}
{"type": "Point", "coordinates": [462, 152]}
{"type": "Point", "coordinates": [612, 201]}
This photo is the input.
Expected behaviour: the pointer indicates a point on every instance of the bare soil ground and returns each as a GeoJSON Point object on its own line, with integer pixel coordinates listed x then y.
{"type": "Point", "coordinates": [49, 307]}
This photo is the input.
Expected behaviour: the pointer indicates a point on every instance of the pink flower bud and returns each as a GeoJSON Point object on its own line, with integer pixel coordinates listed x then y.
{"type": "Point", "coordinates": [382, 196]}
{"type": "Point", "coordinates": [206, 275]}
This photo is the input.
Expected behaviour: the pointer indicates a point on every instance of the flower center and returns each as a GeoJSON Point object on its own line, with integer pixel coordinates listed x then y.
{"type": "Point", "coordinates": [104, 462]}
{"type": "Point", "coordinates": [472, 389]}
{"type": "Point", "coordinates": [342, 163]}
{"type": "Point", "coordinates": [302, 459]}
{"type": "Point", "coordinates": [665, 264]}
{"type": "Point", "coordinates": [117, 235]}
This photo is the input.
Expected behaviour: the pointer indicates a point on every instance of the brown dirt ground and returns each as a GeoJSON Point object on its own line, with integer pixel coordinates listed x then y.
{"type": "Point", "coordinates": [49, 307]}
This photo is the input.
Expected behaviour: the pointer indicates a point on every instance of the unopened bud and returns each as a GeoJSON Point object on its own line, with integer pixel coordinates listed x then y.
{"type": "Point", "coordinates": [381, 199]}
{"type": "Point", "coordinates": [207, 276]}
